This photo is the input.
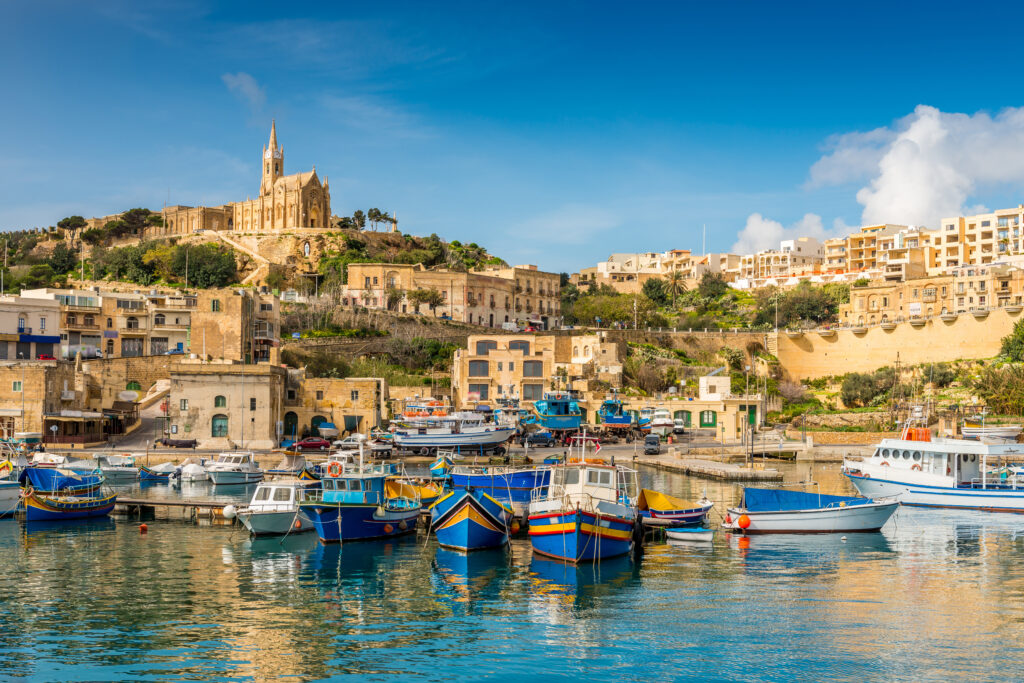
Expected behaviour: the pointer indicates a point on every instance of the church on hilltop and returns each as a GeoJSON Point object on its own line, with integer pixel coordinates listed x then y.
{"type": "Point", "coordinates": [285, 202]}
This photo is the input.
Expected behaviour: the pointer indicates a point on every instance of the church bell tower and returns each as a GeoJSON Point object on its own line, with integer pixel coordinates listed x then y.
{"type": "Point", "coordinates": [273, 162]}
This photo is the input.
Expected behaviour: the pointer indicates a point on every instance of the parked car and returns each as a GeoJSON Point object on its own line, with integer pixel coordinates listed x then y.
{"type": "Point", "coordinates": [531, 328]}
{"type": "Point", "coordinates": [174, 352]}
{"type": "Point", "coordinates": [679, 427]}
{"type": "Point", "coordinates": [652, 444]}
{"type": "Point", "coordinates": [510, 327]}
{"type": "Point", "coordinates": [545, 439]}
{"type": "Point", "coordinates": [312, 443]}
{"type": "Point", "coordinates": [45, 356]}
{"type": "Point", "coordinates": [349, 443]}
{"type": "Point", "coordinates": [178, 443]}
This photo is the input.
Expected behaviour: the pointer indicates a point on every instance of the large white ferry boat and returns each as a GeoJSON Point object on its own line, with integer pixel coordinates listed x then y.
{"type": "Point", "coordinates": [942, 472]}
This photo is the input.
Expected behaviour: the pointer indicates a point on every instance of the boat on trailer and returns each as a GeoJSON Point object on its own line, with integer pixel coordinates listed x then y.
{"type": "Point", "coordinates": [923, 471]}
{"type": "Point", "coordinates": [782, 511]}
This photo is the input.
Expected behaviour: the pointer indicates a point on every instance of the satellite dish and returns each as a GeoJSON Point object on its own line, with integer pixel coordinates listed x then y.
{"type": "Point", "coordinates": [128, 396]}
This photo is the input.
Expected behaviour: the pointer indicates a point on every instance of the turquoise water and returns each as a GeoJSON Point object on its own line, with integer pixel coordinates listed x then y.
{"type": "Point", "coordinates": [936, 596]}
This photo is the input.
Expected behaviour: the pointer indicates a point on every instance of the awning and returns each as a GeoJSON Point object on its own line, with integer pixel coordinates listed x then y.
{"type": "Point", "coordinates": [352, 422]}
{"type": "Point", "coordinates": [40, 338]}
{"type": "Point", "coordinates": [9, 337]}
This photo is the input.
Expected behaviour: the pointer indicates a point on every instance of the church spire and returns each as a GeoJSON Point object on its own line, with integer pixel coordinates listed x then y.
{"type": "Point", "coordinates": [273, 135]}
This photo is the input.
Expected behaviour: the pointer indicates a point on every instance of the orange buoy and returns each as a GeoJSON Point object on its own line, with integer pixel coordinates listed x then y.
{"type": "Point", "coordinates": [388, 528]}
{"type": "Point", "coordinates": [298, 524]}
{"type": "Point", "coordinates": [143, 528]}
{"type": "Point", "coordinates": [514, 528]}
{"type": "Point", "coordinates": [728, 519]}
{"type": "Point", "coordinates": [743, 522]}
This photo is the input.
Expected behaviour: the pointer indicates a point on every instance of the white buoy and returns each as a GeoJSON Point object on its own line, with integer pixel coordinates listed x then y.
{"type": "Point", "coordinates": [229, 512]}
{"type": "Point", "coordinates": [843, 539]}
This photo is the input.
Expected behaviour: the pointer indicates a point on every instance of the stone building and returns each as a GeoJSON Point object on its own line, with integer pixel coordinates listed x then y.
{"type": "Point", "coordinates": [488, 298]}
{"type": "Point", "coordinates": [29, 328]}
{"type": "Point", "coordinates": [352, 404]}
{"type": "Point", "coordinates": [284, 202]}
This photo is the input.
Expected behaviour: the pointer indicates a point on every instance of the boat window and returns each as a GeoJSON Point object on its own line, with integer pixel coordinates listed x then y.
{"type": "Point", "coordinates": [355, 485]}
{"type": "Point", "coordinates": [263, 494]}
{"type": "Point", "coordinates": [974, 457]}
{"type": "Point", "coordinates": [917, 455]}
{"type": "Point", "coordinates": [906, 455]}
{"type": "Point", "coordinates": [599, 477]}
{"type": "Point", "coordinates": [572, 476]}
{"type": "Point", "coordinates": [877, 453]}
{"type": "Point", "coordinates": [964, 457]}
{"type": "Point", "coordinates": [282, 495]}
{"type": "Point", "coordinates": [885, 452]}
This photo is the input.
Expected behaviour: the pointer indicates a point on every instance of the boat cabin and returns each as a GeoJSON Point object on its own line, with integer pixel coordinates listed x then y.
{"type": "Point", "coordinates": [589, 485]}
{"type": "Point", "coordinates": [277, 496]}
{"type": "Point", "coordinates": [235, 459]}
{"type": "Point", "coordinates": [967, 463]}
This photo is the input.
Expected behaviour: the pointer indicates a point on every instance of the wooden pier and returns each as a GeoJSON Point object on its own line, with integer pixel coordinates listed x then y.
{"type": "Point", "coordinates": [710, 469]}
{"type": "Point", "coordinates": [191, 510]}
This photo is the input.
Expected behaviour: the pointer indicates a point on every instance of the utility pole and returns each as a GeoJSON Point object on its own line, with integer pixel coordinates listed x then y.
{"type": "Point", "coordinates": [5, 268]}
{"type": "Point", "coordinates": [83, 259]}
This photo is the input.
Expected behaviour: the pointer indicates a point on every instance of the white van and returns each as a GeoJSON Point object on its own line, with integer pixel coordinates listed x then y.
{"type": "Point", "coordinates": [511, 327]}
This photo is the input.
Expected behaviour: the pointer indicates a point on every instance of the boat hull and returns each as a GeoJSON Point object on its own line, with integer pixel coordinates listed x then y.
{"type": "Point", "coordinates": [339, 522]}
{"type": "Point", "coordinates": [483, 439]}
{"type": "Point", "coordinates": [10, 498]}
{"type": "Point", "coordinates": [865, 517]}
{"type": "Point", "coordinates": [579, 536]}
{"type": "Point", "coordinates": [45, 509]}
{"type": "Point", "coordinates": [691, 535]}
{"type": "Point", "coordinates": [232, 477]}
{"type": "Point", "coordinates": [514, 488]}
{"type": "Point", "coordinates": [146, 474]}
{"type": "Point", "coordinates": [470, 520]}
{"type": "Point", "coordinates": [119, 476]}
{"type": "Point", "coordinates": [274, 523]}
{"type": "Point", "coordinates": [990, 500]}
{"type": "Point", "coordinates": [670, 518]}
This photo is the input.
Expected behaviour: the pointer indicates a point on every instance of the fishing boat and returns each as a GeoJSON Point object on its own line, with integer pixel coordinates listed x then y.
{"type": "Point", "coordinates": [782, 511]}
{"type": "Point", "coordinates": [462, 431]}
{"type": "Point", "coordinates": [274, 509]}
{"type": "Point", "coordinates": [238, 467]}
{"type": "Point", "coordinates": [328, 430]}
{"type": "Point", "coordinates": [194, 469]}
{"type": "Point", "coordinates": [468, 519]}
{"type": "Point", "coordinates": [980, 431]}
{"type": "Point", "coordinates": [10, 497]}
{"type": "Point", "coordinates": [117, 469]}
{"type": "Point", "coordinates": [354, 504]}
{"type": "Point", "coordinates": [442, 466]}
{"type": "Point", "coordinates": [159, 474]}
{"type": "Point", "coordinates": [292, 465]}
{"type": "Point", "coordinates": [691, 534]}
{"type": "Point", "coordinates": [46, 508]}
{"type": "Point", "coordinates": [60, 482]}
{"type": "Point", "coordinates": [662, 423]}
{"type": "Point", "coordinates": [557, 411]}
{"type": "Point", "coordinates": [659, 509]}
{"type": "Point", "coordinates": [613, 414]}
{"type": "Point", "coordinates": [940, 472]}
{"type": "Point", "coordinates": [508, 484]}
{"type": "Point", "coordinates": [643, 420]}
{"type": "Point", "coordinates": [587, 513]}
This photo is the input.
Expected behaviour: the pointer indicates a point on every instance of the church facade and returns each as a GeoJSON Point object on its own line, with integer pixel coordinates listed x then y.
{"type": "Point", "coordinates": [284, 202]}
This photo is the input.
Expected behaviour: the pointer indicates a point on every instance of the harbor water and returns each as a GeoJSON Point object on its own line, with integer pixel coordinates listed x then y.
{"type": "Point", "coordinates": [936, 596]}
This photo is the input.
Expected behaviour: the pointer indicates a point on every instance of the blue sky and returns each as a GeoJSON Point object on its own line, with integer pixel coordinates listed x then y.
{"type": "Point", "coordinates": [552, 133]}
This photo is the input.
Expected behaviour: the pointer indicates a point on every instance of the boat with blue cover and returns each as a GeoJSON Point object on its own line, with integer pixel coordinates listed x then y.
{"type": "Point", "coordinates": [782, 511]}
{"type": "Point", "coordinates": [508, 484]}
{"type": "Point", "coordinates": [60, 482]}
{"type": "Point", "coordinates": [468, 519]}
{"type": "Point", "coordinates": [356, 503]}
{"type": "Point", "coordinates": [587, 513]}
{"type": "Point", "coordinates": [47, 508]}
{"type": "Point", "coordinates": [557, 411]}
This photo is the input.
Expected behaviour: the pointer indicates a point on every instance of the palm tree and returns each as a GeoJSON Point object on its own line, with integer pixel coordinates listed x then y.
{"type": "Point", "coordinates": [675, 284]}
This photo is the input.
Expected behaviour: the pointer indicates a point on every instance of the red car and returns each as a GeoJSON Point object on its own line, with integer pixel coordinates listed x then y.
{"type": "Point", "coordinates": [312, 443]}
{"type": "Point", "coordinates": [45, 356]}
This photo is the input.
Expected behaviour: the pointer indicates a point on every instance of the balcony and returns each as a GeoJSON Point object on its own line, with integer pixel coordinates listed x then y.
{"type": "Point", "coordinates": [74, 308]}
{"type": "Point", "coordinates": [175, 304]}
{"type": "Point", "coordinates": [132, 328]}
{"type": "Point", "coordinates": [75, 325]}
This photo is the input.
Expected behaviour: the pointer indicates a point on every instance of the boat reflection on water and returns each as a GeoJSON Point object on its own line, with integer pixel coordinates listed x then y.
{"type": "Point", "coordinates": [73, 529]}
{"type": "Point", "coordinates": [806, 554]}
{"type": "Point", "coordinates": [578, 586]}
{"type": "Point", "coordinates": [300, 544]}
{"type": "Point", "coordinates": [466, 576]}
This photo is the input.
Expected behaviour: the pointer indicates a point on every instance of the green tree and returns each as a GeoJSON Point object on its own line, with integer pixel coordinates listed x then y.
{"type": "Point", "coordinates": [712, 286]}
{"type": "Point", "coordinates": [62, 259]}
{"type": "Point", "coordinates": [675, 284]}
{"type": "Point", "coordinates": [373, 216]}
{"type": "Point", "coordinates": [1013, 343]}
{"type": "Point", "coordinates": [429, 297]}
{"type": "Point", "coordinates": [209, 265]}
{"type": "Point", "coordinates": [654, 289]}
{"type": "Point", "coordinates": [39, 275]}
{"type": "Point", "coordinates": [359, 219]}
{"type": "Point", "coordinates": [71, 227]}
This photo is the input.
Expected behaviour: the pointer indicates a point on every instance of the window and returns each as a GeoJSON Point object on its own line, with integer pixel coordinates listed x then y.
{"type": "Point", "coordinates": [252, 404]}
{"type": "Point", "coordinates": [159, 319]}
{"type": "Point", "coordinates": [266, 307]}
{"type": "Point", "coordinates": [355, 395]}
{"type": "Point", "coordinates": [708, 418]}
{"type": "Point", "coordinates": [16, 386]}
{"type": "Point", "coordinates": [484, 347]}
{"type": "Point", "coordinates": [319, 395]}
{"type": "Point", "coordinates": [42, 324]}
{"type": "Point", "coordinates": [183, 404]}
{"type": "Point", "coordinates": [290, 394]}
{"type": "Point", "coordinates": [480, 390]}
{"type": "Point", "coordinates": [263, 494]}
{"type": "Point", "coordinates": [133, 386]}
{"type": "Point", "coordinates": [533, 392]}
{"type": "Point", "coordinates": [533, 368]}
{"type": "Point", "coordinates": [499, 366]}
{"type": "Point", "coordinates": [282, 495]}
{"type": "Point", "coordinates": [110, 323]}
{"type": "Point", "coordinates": [215, 306]}
{"type": "Point", "coordinates": [511, 366]}
{"type": "Point", "coordinates": [523, 346]}
{"type": "Point", "coordinates": [478, 368]}
{"type": "Point", "coordinates": [220, 402]}
{"type": "Point", "coordinates": [132, 323]}
{"type": "Point", "coordinates": [21, 325]}
{"type": "Point", "coordinates": [219, 426]}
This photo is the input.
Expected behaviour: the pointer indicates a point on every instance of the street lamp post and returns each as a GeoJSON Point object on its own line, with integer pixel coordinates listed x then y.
{"type": "Point", "coordinates": [21, 356]}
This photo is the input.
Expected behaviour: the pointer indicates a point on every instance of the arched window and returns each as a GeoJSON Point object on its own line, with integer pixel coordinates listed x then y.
{"type": "Point", "coordinates": [220, 402]}
{"type": "Point", "coordinates": [575, 351]}
{"type": "Point", "coordinates": [133, 386]}
{"type": "Point", "coordinates": [110, 323]}
{"type": "Point", "coordinates": [133, 322]}
{"type": "Point", "coordinates": [219, 426]}
{"type": "Point", "coordinates": [159, 319]}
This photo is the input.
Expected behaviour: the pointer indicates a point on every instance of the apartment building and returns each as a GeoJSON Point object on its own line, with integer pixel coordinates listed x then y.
{"type": "Point", "coordinates": [488, 298]}
{"type": "Point", "coordinates": [524, 367]}
{"type": "Point", "coordinates": [795, 257]}
{"type": "Point", "coordinates": [980, 239]}
{"type": "Point", "coordinates": [29, 328]}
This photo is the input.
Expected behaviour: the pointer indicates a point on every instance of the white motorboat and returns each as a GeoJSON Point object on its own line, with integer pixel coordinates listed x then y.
{"type": "Point", "coordinates": [292, 465]}
{"type": "Point", "coordinates": [194, 469]}
{"type": "Point", "coordinates": [42, 459]}
{"type": "Point", "coordinates": [468, 430]}
{"type": "Point", "coordinates": [274, 509]}
{"type": "Point", "coordinates": [780, 511]}
{"type": "Point", "coordinates": [692, 534]}
{"type": "Point", "coordinates": [10, 496]}
{"type": "Point", "coordinates": [117, 469]}
{"type": "Point", "coordinates": [662, 423]}
{"type": "Point", "coordinates": [237, 467]}
{"type": "Point", "coordinates": [940, 472]}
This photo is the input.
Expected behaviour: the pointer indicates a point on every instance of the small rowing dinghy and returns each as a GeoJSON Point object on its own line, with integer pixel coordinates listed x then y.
{"type": "Point", "coordinates": [659, 509]}
{"type": "Point", "coordinates": [693, 534]}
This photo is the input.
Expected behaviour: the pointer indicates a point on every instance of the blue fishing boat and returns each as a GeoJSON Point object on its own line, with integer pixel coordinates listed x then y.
{"type": "Point", "coordinates": [148, 475]}
{"type": "Point", "coordinates": [587, 513]}
{"type": "Point", "coordinates": [468, 519]}
{"type": "Point", "coordinates": [42, 508]}
{"type": "Point", "coordinates": [557, 411]}
{"type": "Point", "coordinates": [613, 414]}
{"type": "Point", "coordinates": [441, 467]}
{"type": "Point", "coordinates": [62, 482]}
{"type": "Point", "coordinates": [512, 485]}
{"type": "Point", "coordinates": [356, 503]}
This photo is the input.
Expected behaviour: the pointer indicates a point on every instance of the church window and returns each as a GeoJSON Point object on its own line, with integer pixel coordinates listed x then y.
{"type": "Point", "coordinates": [277, 168]}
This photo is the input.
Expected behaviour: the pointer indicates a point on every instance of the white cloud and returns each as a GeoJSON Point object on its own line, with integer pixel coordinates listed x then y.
{"type": "Point", "coordinates": [763, 233]}
{"type": "Point", "coordinates": [927, 165]}
{"type": "Point", "coordinates": [246, 88]}
{"type": "Point", "coordinates": [374, 115]}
